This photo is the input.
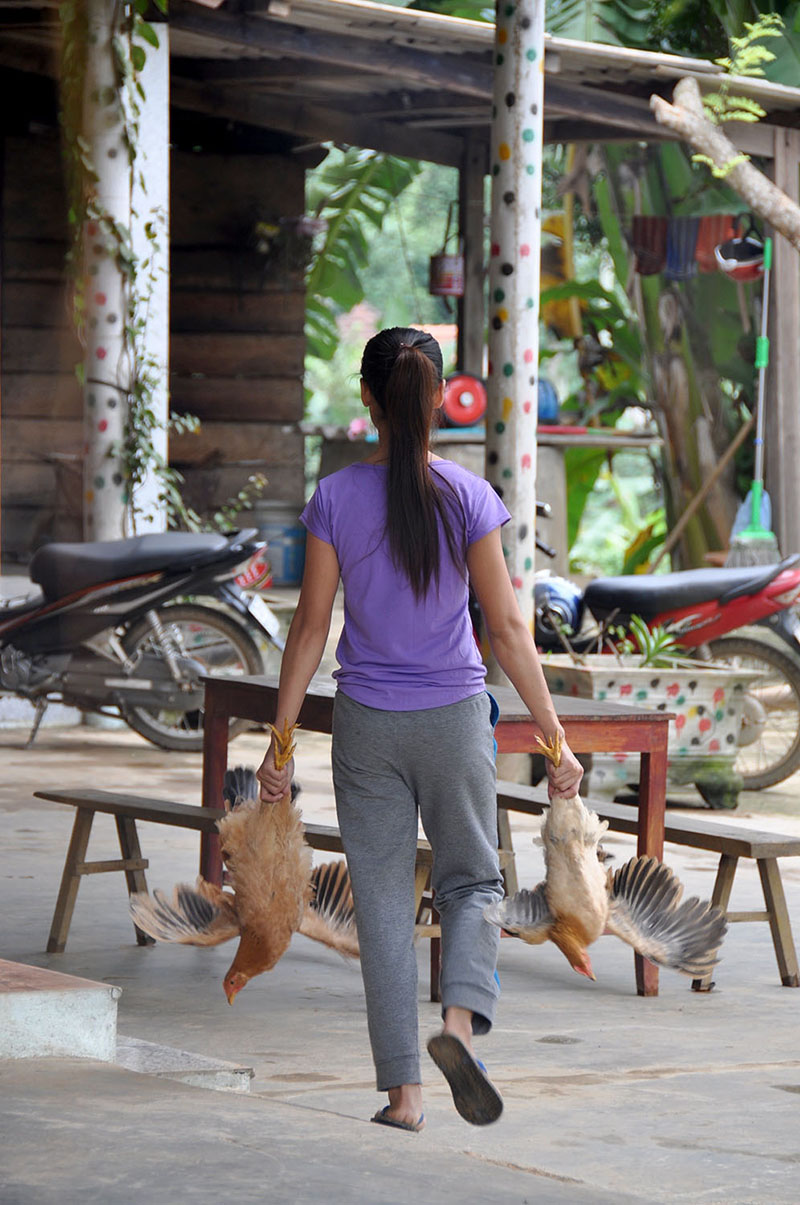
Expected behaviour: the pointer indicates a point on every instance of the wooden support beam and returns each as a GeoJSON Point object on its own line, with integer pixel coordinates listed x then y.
{"type": "Point", "coordinates": [461, 73]}
{"type": "Point", "coordinates": [782, 417]}
{"type": "Point", "coordinates": [471, 308]}
{"type": "Point", "coordinates": [317, 122]}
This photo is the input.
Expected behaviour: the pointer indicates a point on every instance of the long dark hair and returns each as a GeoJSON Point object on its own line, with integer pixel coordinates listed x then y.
{"type": "Point", "coordinates": [402, 368]}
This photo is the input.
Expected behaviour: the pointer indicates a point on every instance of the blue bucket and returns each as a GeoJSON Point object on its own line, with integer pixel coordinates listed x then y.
{"type": "Point", "coordinates": [279, 525]}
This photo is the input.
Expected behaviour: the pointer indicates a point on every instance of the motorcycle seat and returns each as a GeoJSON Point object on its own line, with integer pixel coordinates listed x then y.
{"type": "Point", "coordinates": [649, 595]}
{"type": "Point", "coordinates": [61, 569]}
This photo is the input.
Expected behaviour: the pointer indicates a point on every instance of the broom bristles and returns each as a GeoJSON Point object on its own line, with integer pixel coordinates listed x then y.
{"type": "Point", "coordinates": [753, 548]}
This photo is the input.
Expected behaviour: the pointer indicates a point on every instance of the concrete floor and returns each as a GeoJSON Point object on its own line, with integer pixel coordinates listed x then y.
{"type": "Point", "coordinates": [683, 1098]}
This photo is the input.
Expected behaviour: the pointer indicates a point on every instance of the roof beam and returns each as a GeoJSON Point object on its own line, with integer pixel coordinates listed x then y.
{"type": "Point", "coordinates": [318, 122]}
{"type": "Point", "coordinates": [459, 73]}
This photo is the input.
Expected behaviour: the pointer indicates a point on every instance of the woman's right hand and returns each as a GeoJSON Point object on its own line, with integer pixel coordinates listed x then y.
{"type": "Point", "coordinates": [274, 783]}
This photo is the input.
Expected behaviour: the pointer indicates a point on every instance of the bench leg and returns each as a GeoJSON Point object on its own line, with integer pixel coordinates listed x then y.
{"type": "Point", "coordinates": [70, 881]}
{"type": "Point", "coordinates": [135, 879]}
{"type": "Point", "coordinates": [720, 897]}
{"type": "Point", "coordinates": [505, 842]}
{"type": "Point", "coordinates": [779, 921]}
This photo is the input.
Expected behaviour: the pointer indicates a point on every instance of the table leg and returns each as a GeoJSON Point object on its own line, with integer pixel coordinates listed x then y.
{"type": "Point", "coordinates": [652, 805]}
{"type": "Point", "coordinates": [436, 960]}
{"type": "Point", "coordinates": [215, 763]}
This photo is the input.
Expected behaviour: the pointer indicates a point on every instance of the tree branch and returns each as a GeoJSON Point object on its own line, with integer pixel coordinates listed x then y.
{"type": "Point", "coordinates": [687, 117]}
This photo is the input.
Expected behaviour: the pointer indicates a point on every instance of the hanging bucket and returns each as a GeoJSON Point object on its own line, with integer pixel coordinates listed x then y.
{"type": "Point", "coordinates": [446, 277]}
{"type": "Point", "coordinates": [279, 525]}
{"type": "Point", "coordinates": [464, 400]}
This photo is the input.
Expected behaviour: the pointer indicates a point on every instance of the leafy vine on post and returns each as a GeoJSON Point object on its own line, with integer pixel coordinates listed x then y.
{"type": "Point", "coordinates": [102, 104]}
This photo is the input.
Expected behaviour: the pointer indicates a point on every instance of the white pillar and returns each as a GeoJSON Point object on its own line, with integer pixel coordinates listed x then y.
{"type": "Point", "coordinates": [107, 369]}
{"type": "Point", "coordinates": [150, 209]}
{"type": "Point", "coordinates": [516, 165]}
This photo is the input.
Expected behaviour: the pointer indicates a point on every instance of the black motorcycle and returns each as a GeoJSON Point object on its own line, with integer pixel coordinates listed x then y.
{"type": "Point", "coordinates": [116, 629]}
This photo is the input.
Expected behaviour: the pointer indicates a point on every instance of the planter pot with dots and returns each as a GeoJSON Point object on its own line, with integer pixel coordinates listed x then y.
{"type": "Point", "coordinates": [706, 700]}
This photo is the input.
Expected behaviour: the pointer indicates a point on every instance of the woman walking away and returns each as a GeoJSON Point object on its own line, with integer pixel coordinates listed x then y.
{"type": "Point", "coordinates": [408, 532]}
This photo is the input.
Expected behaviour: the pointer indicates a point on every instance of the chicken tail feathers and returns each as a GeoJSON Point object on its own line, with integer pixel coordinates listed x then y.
{"type": "Point", "coordinates": [646, 911]}
{"type": "Point", "coordinates": [240, 786]}
{"type": "Point", "coordinates": [330, 917]}
{"type": "Point", "coordinates": [526, 914]}
{"type": "Point", "coordinates": [198, 916]}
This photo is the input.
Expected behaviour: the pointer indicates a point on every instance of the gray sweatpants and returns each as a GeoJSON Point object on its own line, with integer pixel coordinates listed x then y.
{"type": "Point", "coordinates": [388, 767]}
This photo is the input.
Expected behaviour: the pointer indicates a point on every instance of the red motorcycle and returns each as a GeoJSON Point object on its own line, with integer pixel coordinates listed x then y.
{"type": "Point", "coordinates": [744, 616]}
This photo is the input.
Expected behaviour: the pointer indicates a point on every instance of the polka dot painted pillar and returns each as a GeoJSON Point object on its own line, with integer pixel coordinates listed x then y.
{"type": "Point", "coordinates": [107, 370]}
{"type": "Point", "coordinates": [516, 161]}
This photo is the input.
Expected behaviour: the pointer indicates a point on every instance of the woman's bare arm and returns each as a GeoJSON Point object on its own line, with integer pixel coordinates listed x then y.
{"type": "Point", "coordinates": [305, 644]}
{"type": "Point", "coordinates": [513, 646]}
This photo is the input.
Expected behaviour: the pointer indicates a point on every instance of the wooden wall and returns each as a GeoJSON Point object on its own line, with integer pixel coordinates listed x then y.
{"type": "Point", "coordinates": [237, 323]}
{"type": "Point", "coordinates": [41, 435]}
{"type": "Point", "coordinates": [236, 346]}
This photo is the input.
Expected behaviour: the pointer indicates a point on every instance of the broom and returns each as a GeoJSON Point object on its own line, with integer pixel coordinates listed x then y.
{"type": "Point", "coordinates": [754, 543]}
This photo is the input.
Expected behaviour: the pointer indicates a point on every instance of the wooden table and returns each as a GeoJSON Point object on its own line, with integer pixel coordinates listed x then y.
{"type": "Point", "coordinates": [590, 727]}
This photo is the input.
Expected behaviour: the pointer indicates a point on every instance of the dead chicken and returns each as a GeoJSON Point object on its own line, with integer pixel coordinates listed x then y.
{"type": "Point", "coordinates": [275, 894]}
{"type": "Point", "coordinates": [579, 900]}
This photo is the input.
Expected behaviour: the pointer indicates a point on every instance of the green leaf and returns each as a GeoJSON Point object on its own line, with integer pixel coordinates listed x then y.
{"type": "Point", "coordinates": [144, 30]}
{"type": "Point", "coordinates": [138, 57]}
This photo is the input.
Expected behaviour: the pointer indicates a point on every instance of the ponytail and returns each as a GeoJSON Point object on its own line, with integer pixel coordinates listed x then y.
{"type": "Point", "coordinates": [403, 369]}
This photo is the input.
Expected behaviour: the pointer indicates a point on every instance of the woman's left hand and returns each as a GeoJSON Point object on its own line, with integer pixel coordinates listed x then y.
{"type": "Point", "coordinates": [565, 778]}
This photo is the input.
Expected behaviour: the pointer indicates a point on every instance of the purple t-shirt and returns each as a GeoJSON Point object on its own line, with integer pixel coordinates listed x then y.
{"type": "Point", "coordinates": [397, 652]}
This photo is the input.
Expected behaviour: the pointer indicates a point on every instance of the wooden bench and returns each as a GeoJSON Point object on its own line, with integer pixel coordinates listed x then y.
{"type": "Point", "coordinates": [729, 841]}
{"type": "Point", "coordinates": [127, 809]}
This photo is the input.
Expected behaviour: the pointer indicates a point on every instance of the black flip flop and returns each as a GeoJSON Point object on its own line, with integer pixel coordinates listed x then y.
{"type": "Point", "coordinates": [474, 1095]}
{"type": "Point", "coordinates": [382, 1118]}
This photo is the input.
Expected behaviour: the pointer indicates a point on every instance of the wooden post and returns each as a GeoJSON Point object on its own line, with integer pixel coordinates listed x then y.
{"type": "Point", "coordinates": [471, 307]}
{"type": "Point", "coordinates": [782, 418]}
{"type": "Point", "coordinates": [516, 160]}
{"type": "Point", "coordinates": [107, 369]}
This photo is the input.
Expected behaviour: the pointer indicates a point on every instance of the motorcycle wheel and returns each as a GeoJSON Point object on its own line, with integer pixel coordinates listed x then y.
{"type": "Point", "coordinates": [773, 702]}
{"type": "Point", "coordinates": [206, 635]}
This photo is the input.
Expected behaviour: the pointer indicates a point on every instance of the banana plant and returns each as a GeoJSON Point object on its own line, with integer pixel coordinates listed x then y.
{"type": "Point", "coordinates": [351, 193]}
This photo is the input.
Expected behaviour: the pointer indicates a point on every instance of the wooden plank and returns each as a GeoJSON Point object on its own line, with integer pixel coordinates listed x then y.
{"type": "Point", "coordinates": [461, 73]}
{"type": "Point", "coordinates": [207, 489]}
{"type": "Point", "coordinates": [232, 267]}
{"type": "Point", "coordinates": [237, 441]}
{"type": "Point", "coordinates": [237, 355]}
{"type": "Point", "coordinates": [33, 259]}
{"type": "Point", "coordinates": [278, 399]}
{"type": "Point", "coordinates": [45, 351]}
{"type": "Point", "coordinates": [42, 303]}
{"type": "Point", "coordinates": [680, 829]}
{"type": "Point", "coordinates": [320, 121]}
{"type": "Point", "coordinates": [218, 199]}
{"type": "Point", "coordinates": [24, 439]}
{"type": "Point", "coordinates": [155, 811]}
{"type": "Point", "coordinates": [41, 395]}
{"type": "Point", "coordinates": [34, 196]}
{"type": "Point", "coordinates": [229, 310]}
{"type": "Point", "coordinates": [111, 865]}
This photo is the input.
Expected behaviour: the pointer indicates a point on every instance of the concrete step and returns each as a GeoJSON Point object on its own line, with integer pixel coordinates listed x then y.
{"type": "Point", "coordinates": [167, 1062]}
{"type": "Point", "coordinates": [43, 1012]}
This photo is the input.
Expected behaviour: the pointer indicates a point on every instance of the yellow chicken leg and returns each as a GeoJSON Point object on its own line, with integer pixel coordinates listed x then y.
{"type": "Point", "coordinates": [284, 745]}
{"type": "Point", "coordinates": [551, 749]}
